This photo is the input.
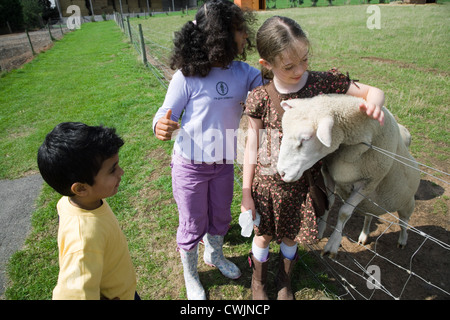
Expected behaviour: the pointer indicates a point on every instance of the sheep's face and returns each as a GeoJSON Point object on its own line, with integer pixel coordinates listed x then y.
{"type": "Point", "coordinates": [304, 143]}
{"type": "Point", "coordinates": [298, 152]}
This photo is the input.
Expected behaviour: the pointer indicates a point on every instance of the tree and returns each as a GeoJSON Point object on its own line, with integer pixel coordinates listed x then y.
{"type": "Point", "coordinates": [36, 13]}
{"type": "Point", "coordinates": [47, 11]}
{"type": "Point", "coordinates": [11, 13]}
{"type": "Point", "coordinates": [32, 13]}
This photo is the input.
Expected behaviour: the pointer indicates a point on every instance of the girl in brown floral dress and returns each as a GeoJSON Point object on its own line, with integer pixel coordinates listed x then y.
{"type": "Point", "coordinates": [286, 210]}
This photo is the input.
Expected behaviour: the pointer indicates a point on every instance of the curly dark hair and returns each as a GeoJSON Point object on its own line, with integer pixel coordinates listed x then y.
{"type": "Point", "coordinates": [209, 40]}
{"type": "Point", "coordinates": [74, 152]}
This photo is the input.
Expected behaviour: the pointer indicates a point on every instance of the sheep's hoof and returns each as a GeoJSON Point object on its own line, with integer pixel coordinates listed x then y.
{"type": "Point", "coordinates": [401, 246]}
{"type": "Point", "coordinates": [362, 239]}
{"type": "Point", "coordinates": [331, 255]}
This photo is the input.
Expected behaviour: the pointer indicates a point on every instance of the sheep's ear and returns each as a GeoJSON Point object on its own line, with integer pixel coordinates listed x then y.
{"type": "Point", "coordinates": [285, 105]}
{"type": "Point", "coordinates": [324, 130]}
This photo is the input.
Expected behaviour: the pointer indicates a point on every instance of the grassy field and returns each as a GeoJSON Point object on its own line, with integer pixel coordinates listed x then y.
{"type": "Point", "coordinates": [93, 75]}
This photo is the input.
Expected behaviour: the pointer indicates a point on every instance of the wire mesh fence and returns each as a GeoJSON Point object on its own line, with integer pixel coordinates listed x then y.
{"type": "Point", "coordinates": [18, 48]}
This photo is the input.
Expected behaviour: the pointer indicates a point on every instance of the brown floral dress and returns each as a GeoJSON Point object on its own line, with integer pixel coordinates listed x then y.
{"type": "Point", "coordinates": [286, 209]}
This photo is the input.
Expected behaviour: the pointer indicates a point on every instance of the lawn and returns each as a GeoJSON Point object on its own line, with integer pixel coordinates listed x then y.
{"type": "Point", "coordinates": [94, 75]}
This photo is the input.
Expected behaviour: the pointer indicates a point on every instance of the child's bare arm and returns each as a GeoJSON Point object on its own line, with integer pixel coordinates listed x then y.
{"type": "Point", "coordinates": [374, 98]}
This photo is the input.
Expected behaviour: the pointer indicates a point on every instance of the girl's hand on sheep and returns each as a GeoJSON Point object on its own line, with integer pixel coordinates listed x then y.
{"type": "Point", "coordinates": [165, 127]}
{"type": "Point", "coordinates": [374, 100]}
{"type": "Point", "coordinates": [374, 111]}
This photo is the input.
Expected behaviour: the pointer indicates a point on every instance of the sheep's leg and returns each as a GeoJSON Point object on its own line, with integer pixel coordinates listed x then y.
{"type": "Point", "coordinates": [329, 185]}
{"type": "Point", "coordinates": [366, 230]}
{"type": "Point", "coordinates": [404, 214]}
{"type": "Point", "coordinates": [322, 224]}
{"type": "Point", "coordinates": [345, 212]}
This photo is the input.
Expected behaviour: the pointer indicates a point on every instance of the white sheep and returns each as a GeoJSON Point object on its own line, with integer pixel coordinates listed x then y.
{"type": "Point", "coordinates": [331, 127]}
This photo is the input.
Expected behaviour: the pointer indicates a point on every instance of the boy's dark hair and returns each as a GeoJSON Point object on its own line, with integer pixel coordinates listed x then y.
{"type": "Point", "coordinates": [74, 152]}
{"type": "Point", "coordinates": [210, 39]}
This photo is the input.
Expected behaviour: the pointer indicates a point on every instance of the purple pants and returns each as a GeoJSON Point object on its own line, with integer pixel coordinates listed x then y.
{"type": "Point", "coordinates": [203, 193]}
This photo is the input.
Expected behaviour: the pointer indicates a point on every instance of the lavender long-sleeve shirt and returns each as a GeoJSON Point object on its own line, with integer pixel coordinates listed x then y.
{"type": "Point", "coordinates": [211, 108]}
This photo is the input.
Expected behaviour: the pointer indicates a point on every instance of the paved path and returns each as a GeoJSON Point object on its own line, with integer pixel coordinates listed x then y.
{"type": "Point", "coordinates": [16, 206]}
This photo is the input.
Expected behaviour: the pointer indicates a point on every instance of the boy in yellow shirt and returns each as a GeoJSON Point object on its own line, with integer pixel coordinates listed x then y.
{"type": "Point", "coordinates": [81, 162]}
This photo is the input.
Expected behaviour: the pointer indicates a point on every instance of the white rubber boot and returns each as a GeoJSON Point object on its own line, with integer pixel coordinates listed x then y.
{"type": "Point", "coordinates": [213, 256]}
{"type": "Point", "coordinates": [194, 288]}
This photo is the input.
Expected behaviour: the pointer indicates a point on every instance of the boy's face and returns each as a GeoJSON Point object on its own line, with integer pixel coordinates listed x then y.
{"type": "Point", "coordinates": [107, 180]}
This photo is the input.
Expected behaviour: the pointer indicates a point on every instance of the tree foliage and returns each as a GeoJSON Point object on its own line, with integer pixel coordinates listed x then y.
{"type": "Point", "coordinates": [11, 13]}
{"type": "Point", "coordinates": [21, 14]}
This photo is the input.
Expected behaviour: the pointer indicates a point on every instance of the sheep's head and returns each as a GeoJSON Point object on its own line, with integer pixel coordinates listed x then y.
{"type": "Point", "coordinates": [306, 139]}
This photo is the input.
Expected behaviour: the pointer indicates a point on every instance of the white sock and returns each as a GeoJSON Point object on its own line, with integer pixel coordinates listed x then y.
{"type": "Point", "coordinates": [261, 254]}
{"type": "Point", "coordinates": [288, 252]}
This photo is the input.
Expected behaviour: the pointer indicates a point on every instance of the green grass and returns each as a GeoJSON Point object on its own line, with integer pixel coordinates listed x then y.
{"type": "Point", "coordinates": [94, 75]}
{"type": "Point", "coordinates": [89, 76]}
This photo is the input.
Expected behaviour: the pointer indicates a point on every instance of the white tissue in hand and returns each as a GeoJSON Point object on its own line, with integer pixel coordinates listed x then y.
{"type": "Point", "coordinates": [246, 222]}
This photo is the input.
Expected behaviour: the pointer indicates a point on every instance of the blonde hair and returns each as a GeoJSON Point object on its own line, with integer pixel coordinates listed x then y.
{"type": "Point", "coordinates": [279, 34]}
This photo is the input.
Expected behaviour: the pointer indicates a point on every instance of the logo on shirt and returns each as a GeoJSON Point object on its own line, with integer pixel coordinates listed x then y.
{"type": "Point", "coordinates": [222, 88]}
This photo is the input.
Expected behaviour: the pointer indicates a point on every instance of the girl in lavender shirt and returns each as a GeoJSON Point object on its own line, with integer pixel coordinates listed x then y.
{"type": "Point", "coordinates": [208, 90]}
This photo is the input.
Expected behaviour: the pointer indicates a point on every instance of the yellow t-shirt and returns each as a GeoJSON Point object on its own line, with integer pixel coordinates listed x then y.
{"type": "Point", "coordinates": [94, 260]}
